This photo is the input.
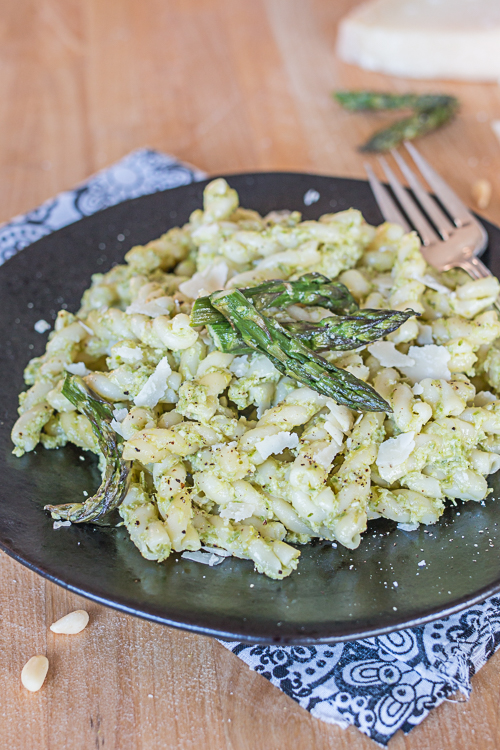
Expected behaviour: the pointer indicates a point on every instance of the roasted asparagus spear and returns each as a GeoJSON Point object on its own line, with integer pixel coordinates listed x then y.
{"type": "Point", "coordinates": [430, 111]}
{"type": "Point", "coordinates": [116, 475]}
{"type": "Point", "coordinates": [291, 357]}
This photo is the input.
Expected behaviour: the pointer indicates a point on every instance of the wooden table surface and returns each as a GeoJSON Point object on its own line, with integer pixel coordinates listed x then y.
{"type": "Point", "coordinates": [229, 85]}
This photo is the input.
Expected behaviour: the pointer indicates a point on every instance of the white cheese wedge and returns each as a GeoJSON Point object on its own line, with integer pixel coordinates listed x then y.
{"type": "Point", "coordinates": [392, 454]}
{"type": "Point", "coordinates": [275, 444]}
{"type": "Point", "coordinates": [210, 280]}
{"type": "Point", "coordinates": [457, 39]}
{"type": "Point", "coordinates": [155, 386]}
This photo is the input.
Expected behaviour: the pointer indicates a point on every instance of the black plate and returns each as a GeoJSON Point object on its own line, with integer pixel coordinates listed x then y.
{"type": "Point", "coordinates": [336, 594]}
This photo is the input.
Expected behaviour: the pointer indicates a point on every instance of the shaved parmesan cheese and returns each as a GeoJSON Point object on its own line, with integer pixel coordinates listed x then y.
{"type": "Point", "coordinates": [340, 415]}
{"type": "Point", "coordinates": [431, 282]}
{"type": "Point", "coordinates": [424, 335]}
{"type": "Point", "coordinates": [457, 39]}
{"type": "Point", "coordinates": [60, 524]}
{"type": "Point", "coordinates": [153, 309]}
{"type": "Point", "coordinates": [392, 453]}
{"type": "Point", "coordinates": [484, 397]}
{"type": "Point", "coordinates": [217, 550]}
{"type": "Point", "coordinates": [128, 353]}
{"type": "Point", "coordinates": [210, 280]}
{"type": "Point", "coordinates": [239, 366]}
{"type": "Point", "coordinates": [41, 326]}
{"type": "Point", "coordinates": [117, 427]}
{"type": "Point", "coordinates": [237, 510]}
{"type": "Point", "coordinates": [205, 558]}
{"type": "Point", "coordinates": [155, 386]}
{"type": "Point", "coordinates": [325, 456]}
{"type": "Point", "coordinates": [430, 361]}
{"type": "Point", "coordinates": [120, 414]}
{"type": "Point", "coordinates": [274, 444]}
{"type": "Point", "coordinates": [388, 355]}
{"type": "Point", "coordinates": [262, 367]}
{"type": "Point", "coordinates": [334, 432]}
{"type": "Point", "coordinates": [77, 368]}
{"type": "Point", "coordinates": [86, 328]}
{"type": "Point", "coordinates": [407, 527]}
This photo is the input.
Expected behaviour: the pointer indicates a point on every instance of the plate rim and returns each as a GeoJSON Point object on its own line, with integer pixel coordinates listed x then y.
{"type": "Point", "coordinates": [398, 623]}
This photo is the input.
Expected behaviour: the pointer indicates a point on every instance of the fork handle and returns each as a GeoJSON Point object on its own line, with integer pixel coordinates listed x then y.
{"type": "Point", "coordinates": [477, 270]}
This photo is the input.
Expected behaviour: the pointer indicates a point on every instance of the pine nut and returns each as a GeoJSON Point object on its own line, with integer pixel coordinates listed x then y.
{"type": "Point", "coordinates": [72, 623]}
{"type": "Point", "coordinates": [34, 673]}
{"type": "Point", "coordinates": [481, 193]}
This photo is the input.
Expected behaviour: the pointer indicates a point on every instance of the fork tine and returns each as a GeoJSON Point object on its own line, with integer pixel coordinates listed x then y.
{"type": "Point", "coordinates": [429, 205]}
{"type": "Point", "coordinates": [388, 208]}
{"type": "Point", "coordinates": [450, 200]}
{"type": "Point", "coordinates": [426, 232]}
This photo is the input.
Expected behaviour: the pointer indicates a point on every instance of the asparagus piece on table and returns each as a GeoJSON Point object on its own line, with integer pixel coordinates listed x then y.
{"type": "Point", "coordinates": [292, 358]}
{"type": "Point", "coordinates": [430, 112]}
{"type": "Point", "coordinates": [116, 475]}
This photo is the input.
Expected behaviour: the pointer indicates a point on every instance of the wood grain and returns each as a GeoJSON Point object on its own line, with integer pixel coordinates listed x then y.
{"type": "Point", "coordinates": [228, 85]}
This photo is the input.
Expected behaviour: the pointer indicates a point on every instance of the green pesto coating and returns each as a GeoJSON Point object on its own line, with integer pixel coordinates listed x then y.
{"type": "Point", "coordinates": [115, 480]}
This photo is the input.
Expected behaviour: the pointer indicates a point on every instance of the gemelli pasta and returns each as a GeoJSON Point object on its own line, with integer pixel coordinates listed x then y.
{"type": "Point", "coordinates": [231, 449]}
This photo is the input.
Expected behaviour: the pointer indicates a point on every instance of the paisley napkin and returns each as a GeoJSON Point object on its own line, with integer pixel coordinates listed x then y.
{"type": "Point", "coordinates": [378, 684]}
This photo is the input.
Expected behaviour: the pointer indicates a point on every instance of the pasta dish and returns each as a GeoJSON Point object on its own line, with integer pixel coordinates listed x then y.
{"type": "Point", "coordinates": [250, 383]}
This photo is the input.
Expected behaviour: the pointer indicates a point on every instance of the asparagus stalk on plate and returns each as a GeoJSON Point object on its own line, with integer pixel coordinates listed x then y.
{"type": "Point", "coordinates": [291, 357]}
{"type": "Point", "coordinates": [341, 333]}
{"type": "Point", "coordinates": [116, 474]}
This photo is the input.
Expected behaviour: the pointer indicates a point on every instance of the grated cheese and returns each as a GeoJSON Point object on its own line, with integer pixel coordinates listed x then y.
{"type": "Point", "coordinates": [155, 386]}
{"type": "Point", "coordinates": [274, 444]}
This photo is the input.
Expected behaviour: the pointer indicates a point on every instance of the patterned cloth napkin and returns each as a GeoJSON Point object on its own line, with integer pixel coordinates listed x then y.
{"type": "Point", "coordinates": [378, 684]}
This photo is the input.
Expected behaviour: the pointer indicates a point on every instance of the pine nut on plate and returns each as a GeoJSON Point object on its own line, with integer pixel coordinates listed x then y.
{"type": "Point", "coordinates": [72, 623]}
{"type": "Point", "coordinates": [34, 673]}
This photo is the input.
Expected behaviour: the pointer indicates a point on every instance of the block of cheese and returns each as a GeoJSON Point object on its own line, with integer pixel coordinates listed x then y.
{"type": "Point", "coordinates": [450, 39]}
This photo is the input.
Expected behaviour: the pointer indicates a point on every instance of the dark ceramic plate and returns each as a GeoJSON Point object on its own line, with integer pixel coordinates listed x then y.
{"type": "Point", "coordinates": [336, 594]}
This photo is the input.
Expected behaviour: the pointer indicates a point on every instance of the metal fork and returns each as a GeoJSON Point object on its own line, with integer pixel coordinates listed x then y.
{"type": "Point", "coordinates": [459, 242]}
